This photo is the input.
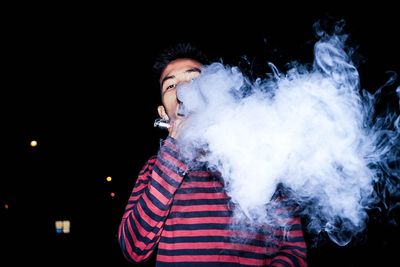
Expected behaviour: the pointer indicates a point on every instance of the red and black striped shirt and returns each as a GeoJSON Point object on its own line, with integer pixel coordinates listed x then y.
{"type": "Point", "coordinates": [187, 217]}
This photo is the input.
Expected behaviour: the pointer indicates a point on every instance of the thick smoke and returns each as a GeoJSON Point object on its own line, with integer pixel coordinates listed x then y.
{"type": "Point", "coordinates": [312, 130]}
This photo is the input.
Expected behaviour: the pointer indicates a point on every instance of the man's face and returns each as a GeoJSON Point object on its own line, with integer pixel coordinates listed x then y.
{"type": "Point", "coordinates": [176, 72]}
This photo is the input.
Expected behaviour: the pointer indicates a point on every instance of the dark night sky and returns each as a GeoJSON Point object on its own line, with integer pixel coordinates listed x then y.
{"type": "Point", "coordinates": [79, 81]}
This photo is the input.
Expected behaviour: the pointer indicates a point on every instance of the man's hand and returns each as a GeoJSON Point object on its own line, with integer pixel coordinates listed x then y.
{"type": "Point", "coordinates": [175, 126]}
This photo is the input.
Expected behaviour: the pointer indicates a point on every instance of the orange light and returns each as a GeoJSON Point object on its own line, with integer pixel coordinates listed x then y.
{"type": "Point", "coordinates": [63, 227]}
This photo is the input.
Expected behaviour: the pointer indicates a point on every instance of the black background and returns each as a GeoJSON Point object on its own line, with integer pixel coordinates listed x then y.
{"type": "Point", "coordinates": [78, 79]}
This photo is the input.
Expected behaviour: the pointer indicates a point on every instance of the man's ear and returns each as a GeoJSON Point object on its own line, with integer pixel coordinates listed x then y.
{"type": "Point", "coordinates": [162, 113]}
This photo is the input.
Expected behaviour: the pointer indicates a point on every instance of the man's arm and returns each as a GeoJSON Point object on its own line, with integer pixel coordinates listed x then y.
{"type": "Point", "coordinates": [150, 203]}
{"type": "Point", "coordinates": [292, 248]}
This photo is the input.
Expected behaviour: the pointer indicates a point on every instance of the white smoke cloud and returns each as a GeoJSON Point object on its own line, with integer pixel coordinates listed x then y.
{"type": "Point", "coordinates": [310, 130]}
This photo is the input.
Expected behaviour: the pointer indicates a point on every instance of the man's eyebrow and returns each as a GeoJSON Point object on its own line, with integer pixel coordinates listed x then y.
{"type": "Point", "coordinates": [194, 70]}
{"type": "Point", "coordinates": [186, 71]}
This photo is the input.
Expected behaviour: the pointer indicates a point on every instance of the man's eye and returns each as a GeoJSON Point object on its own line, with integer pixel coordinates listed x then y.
{"type": "Point", "coordinates": [170, 86]}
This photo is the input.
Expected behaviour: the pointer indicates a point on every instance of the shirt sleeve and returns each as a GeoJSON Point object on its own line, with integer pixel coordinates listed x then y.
{"type": "Point", "coordinates": [150, 202]}
{"type": "Point", "coordinates": [292, 249]}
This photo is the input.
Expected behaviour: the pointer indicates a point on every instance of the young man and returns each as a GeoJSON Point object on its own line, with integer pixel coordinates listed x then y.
{"type": "Point", "coordinates": [185, 214]}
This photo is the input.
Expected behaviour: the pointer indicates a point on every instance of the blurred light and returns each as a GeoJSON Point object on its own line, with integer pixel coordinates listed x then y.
{"type": "Point", "coordinates": [109, 178]}
{"type": "Point", "coordinates": [112, 194]}
{"type": "Point", "coordinates": [66, 227]}
{"type": "Point", "coordinates": [6, 206]}
{"type": "Point", "coordinates": [34, 143]}
{"type": "Point", "coordinates": [59, 226]}
{"type": "Point", "coordinates": [63, 227]}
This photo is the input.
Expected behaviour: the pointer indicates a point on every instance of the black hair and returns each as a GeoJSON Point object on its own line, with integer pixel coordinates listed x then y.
{"type": "Point", "coordinates": [179, 50]}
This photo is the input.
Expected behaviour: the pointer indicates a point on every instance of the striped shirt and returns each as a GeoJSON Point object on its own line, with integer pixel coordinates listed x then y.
{"type": "Point", "coordinates": [187, 217]}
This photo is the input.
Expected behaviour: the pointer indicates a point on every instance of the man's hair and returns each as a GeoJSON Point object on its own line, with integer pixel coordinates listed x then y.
{"type": "Point", "coordinates": [177, 51]}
